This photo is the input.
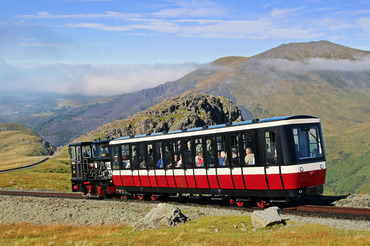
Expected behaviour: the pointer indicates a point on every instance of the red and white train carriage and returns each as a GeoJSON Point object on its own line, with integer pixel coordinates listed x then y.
{"type": "Point", "coordinates": [265, 160]}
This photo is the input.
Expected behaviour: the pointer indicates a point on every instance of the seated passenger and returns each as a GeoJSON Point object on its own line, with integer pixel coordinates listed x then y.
{"type": "Point", "coordinates": [126, 164]}
{"type": "Point", "coordinates": [199, 160]}
{"type": "Point", "coordinates": [143, 164]}
{"type": "Point", "coordinates": [179, 161]}
{"type": "Point", "coordinates": [115, 163]}
{"type": "Point", "coordinates": [249, 158]}
{"type": "Point", "coordinates": [222, 159]}
{"type": "Point", "coordinates": [160, 163]}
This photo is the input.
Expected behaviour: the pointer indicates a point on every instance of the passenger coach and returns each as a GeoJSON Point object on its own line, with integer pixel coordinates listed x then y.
{"type": "Point", "coordinates": [269, 160]}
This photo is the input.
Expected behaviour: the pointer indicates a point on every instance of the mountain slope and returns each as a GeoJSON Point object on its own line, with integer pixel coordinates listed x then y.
{"type": "Point", "coordinates": [19, 146]}
{"type": "Point", "coordinates": [318, 78]}
{"type": "Point", "coordinates": [187, 111]}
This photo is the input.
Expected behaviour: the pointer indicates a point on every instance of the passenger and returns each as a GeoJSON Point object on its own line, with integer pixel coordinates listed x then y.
{"type": "Point", "coordinates": [234, 153]}
{"type": "Point", "coordinates": [173, 165]}
{"type": "Point", "coordinates": [115, 163]}
{"type": "Point", "coordinates": [126, 164]}
{"type": "Point", "coordinates": [249, 158]}
{"type": "Point", "coordinates": [160, 163]}
{"type": "Point", "coordinates": [143, 164]}
{"type": "Point", "coordinates": [179, 162]}
{"type": "Point", "coordinates": [222, 159]}
{"type": "Point", "coordinates": [199, 160]}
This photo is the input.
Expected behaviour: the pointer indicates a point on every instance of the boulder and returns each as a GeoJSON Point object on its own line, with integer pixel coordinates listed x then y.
{"type": "Point", "coordinates": [161, 216]}
{"type": "Point", "coordinates": [267, 217]}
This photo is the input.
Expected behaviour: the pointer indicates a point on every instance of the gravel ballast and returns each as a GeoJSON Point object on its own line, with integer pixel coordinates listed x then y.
{"type": "Point", "coordinates": [49, 211]}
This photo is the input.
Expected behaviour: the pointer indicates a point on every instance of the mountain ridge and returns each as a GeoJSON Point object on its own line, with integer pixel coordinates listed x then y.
{"type": "Point", "coordinates": [316, 78]}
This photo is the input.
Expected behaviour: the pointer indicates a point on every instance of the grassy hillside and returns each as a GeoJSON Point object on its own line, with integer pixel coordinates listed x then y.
{"type": "Point", "coordinates": [344, 113]}
{"type": "Point", "coordinates": [20, 146]}
{"type": "Point", "coordinates": [348, 161]}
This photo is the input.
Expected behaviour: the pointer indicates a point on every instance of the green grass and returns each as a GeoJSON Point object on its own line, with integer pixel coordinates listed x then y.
{"type": "Point", "coordinates": [347, 153]}
{"type": "Point", "coordinates": [53, 174]}
{"type": "Point", "coordinates": [225, 230]}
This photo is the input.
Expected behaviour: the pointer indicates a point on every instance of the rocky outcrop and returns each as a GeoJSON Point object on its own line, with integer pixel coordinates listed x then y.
{"type": "Point", "coordinates": [187, 111]}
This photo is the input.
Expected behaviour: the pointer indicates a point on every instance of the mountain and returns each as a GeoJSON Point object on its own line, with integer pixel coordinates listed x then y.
{"type": "Point", "coordinates": [19, 146]}
{"type": "Point", "coordinates": [190, 110]}
{"type": "Point", "coordinates": [317, 78]}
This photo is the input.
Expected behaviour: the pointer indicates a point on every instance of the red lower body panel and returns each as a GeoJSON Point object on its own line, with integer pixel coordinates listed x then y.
{"type": "Point", "coordinates": [304, 179]}
{"type": "Point", "coordinates": [255, 182]}
{"type": "Point", "coordinates": [181, 181]}
{"type": "Point", "coordinates": [226, 182]}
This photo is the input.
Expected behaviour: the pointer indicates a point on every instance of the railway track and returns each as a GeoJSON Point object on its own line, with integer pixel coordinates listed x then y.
{"type": "Point", "coordinates": [42, 194]}
{"type": "Point", "coordinates": [302, 210]}
{"type": "Point", "coordinates": [331, 211]}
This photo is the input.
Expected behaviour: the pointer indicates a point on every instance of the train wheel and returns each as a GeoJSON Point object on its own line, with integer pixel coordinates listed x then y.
{"type": "Point", "coordinates": [154, 198]}
{"type": "Point", "coordinates": [262, 204]}
{"type": "Point", "coordinates": [240, 204]}
{"type": "Point", "coordinates": [141, 198]}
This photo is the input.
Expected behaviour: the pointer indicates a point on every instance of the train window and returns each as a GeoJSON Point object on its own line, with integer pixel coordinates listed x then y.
{"type": "Point", "coordinates": [199, 161]}
{"type": "Point", "coordinates": [100, 150]}
{"type": "Point", "coordinates": [86, 151]}
{"type": "Point", "coordinates": [234, 145]}
{"type": "Point", "coordinates": [159, 155]}
{"type": "Point", "coordinates": [141, 155]}
{"type": "Point", "coordinates": [248, 153]}
{"type": "Point", "coordinates": [188, 160]}
{"type": "Point", "coordinates": [134, 157]}
{"type": "Point", "coordinates": [210, 152]}
{"type": "Point", "coordinates": [168, 155]}
{"type": "Point", "coordinates": [125, 156]}
{"type": "Point", "coordinates": [78, 152]}
{"type": "Point", "coordinates": [270, 148]}
{"type": "Point", "coordinates": [307, 142]}
{"type": "Point", "coordinates": [221, 151]}
{"type": "Point", "coordinates": [72, 153]}
{"type": "Point", "coordinates": [115, 152]}
{"type": "Point", "coordinates": [177, 153]}
{"type": "Point", "coordinates": [149, 156]}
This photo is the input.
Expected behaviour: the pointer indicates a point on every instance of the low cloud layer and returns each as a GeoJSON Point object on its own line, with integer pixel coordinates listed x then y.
{"type": "Point", "coordinates": [102, 80]}
{"type": "Point", "coordinates": [317, 64]}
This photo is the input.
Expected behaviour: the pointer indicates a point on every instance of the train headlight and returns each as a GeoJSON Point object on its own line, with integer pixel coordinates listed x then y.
{"type": "Point", "coordinates": [301, 169]}
{"type": "Point", "coordinates": [322, 166]}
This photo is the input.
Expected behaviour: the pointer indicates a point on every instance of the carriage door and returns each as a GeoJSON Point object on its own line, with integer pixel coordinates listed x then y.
{"type": "Point", "coordinates": [271, 158]}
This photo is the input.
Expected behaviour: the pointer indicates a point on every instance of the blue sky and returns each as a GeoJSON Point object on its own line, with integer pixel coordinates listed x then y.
{"type": "Point", "coordinates": [179, 33]}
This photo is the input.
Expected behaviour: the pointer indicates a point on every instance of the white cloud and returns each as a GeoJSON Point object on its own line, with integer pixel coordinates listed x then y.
{"type": "Point", "coordinates": [101, 27]}
{"type": "Point", "coordinates": [318, 64]}
{"type": "Point", "coordinates": [279, 13]}
{"type": "Point", "coordinates": [101, 80]}
{"type": "Point", "coordinates": [364, 23]}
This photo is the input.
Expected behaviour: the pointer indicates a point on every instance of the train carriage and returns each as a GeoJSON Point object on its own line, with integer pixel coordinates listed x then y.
{"type": "Point", "coordinates": [269, 160]}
